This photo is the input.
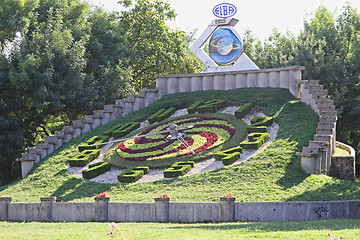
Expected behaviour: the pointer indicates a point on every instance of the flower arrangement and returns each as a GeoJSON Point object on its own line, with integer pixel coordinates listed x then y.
{"type": "Point", "coordinates": [333, 237]}
{"type": "Point", "coordinates": [102, 195]}
{"type": "Point", "coordinates": [229, 195]}
{"type": "Point", "coordinates": [112, 231]}
{"type": "Point", "coordinates": [165, 195]}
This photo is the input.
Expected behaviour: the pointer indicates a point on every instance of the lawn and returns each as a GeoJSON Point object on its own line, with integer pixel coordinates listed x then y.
{"type": "Point", "coordinates": [347, 229]}
{"type": "Point", "coordinates": [273, 175]}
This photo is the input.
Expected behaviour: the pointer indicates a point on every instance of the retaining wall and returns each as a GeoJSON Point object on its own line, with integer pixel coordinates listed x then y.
{"type": "Point", "coordinates": [162, 210]}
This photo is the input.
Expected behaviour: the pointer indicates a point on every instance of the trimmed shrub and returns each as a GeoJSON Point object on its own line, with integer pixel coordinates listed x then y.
{"type": "Point", "coordinates": [91, 141]}
{"type": "Point", "coordinates": [166, 114]}
{"type": "Point", "coordinates": [178, 169]}
{"type": "Point", "coordinates": [153, 118]}
{"type": "Point", "coordinates": [256, 140]}
{"type": "Point", "coordinates": [84, 158]}
{"type": "Point", "coordinates": [243, 110]}
{"type": "Point", "coordinates": [96, 170]}
{"type": "Point", "coordinates": [219, 155]}
{"type": "Point", "coordinates": [95, 164]}
{"type": "Point", "coordinates": [262, 121]}
{"type": "Point", "coordinates": [231, 158]}
{"type": "Point", "coordinates": [207, 109]}
{"type": "Point", "coordinates": [111, 130]}
{"type": "Point", "coordinates": [256, 129]}
{"type": "Point", "coordinates": [193, 107]}
{"type": "Point", "coordinates": [123, 131]}
{"type": "Point", "coordinates": [211, 106]}
{"type": "Point", "coordinates": [133, 174]}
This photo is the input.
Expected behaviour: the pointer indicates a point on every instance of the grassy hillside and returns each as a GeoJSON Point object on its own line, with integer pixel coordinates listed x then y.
{"type": "Point", "coordinates": [273, 175]}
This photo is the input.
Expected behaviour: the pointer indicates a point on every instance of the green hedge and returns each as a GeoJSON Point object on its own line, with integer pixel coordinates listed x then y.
{"type": "Point", "coordinates": [193, 107]}
{"type": "Point", "coordinates": [133, 174]}
{"type": "Point", "coordinates": [178, 169]}
{"type": "Point", "coordinates": [243, 110]}
{"type": "Point", "coordinates": [153, 118]}
{"type": "Point", "coordinates": [256, 140]}
{"type": "Point", "coordinates": [96, 170]}
{"type": "Point", "coordinates": [211, 106]}
{"type": "Point", "coordinates": [84, 158]}
{"type": "Point", "coordinates": [91, 141]}
{"type": "Point", "coordinates": [231, 158]}
{"type": "Point", "coordinates": [166, 114]}
{"type": "Point", "coordinates": [126, 129]}
{"type": "Point", "coordinates": [256, 129]}
{"type": "Point", "coordinates": [262, 121]}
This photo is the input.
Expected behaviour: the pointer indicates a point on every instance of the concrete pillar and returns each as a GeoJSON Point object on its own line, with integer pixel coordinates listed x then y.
{"type": "Point", "coordinates": [26, 166]}
{"type": "Point", "coordinates": [162, 209]}
{"type": "Point", "coordinates": [77, 125]}
{"type": "Point", "coordinates": [227, 209]}
{"type": "Point", "coordinates": [219, 82]}
{"type": "Point", "coordinates": [252, 80]}
{"type": "Point", "coordinates": [284, 79]}
{"type": "Point", "coordinates": [37, 153]}
{"type": "Point", "coordinates": [172, 85]}
{"type": "Point", "coordinates": [139, 102]}
{"type": "Point", "coordinates": [106, 117]}
{"type": "Point", "coordinates": [4, 208]}
{"type": "Point", "coordinates": [196, 84]}
{"type": "Point", "coordinates": [184, 84]}
{"type": "Point", "coordinates": [88, 121]}
{"type": "Point", "coordinates": [295, 83]}
{"type": "Point", "coordinates": [161, 85]}
{"type": "Point", "coordinates": [230, 81]}
{"type": "Point", "coordinates": [241, 81]}
{"type": "Point", "coordinates": [274, 79]}
{"type": "Point", "coordinates": [68, 132]}
{"type": "Point", "coordinates": [308, 164]}
{"type": "Point", "coordinates": [150, 97]}
{"type": "Point", "coordinates": [60, 138]}
{"type": "Point", "coordinates": [51, 140]}
{"type": "Point", "coordinates": [128, 107]}
{"type": "Point", "coordinates": [263, 81]}
{"type": "Point", "coordinates": [46, 208]}
{"type": "Point", "coordinates": [208, 83]}
{"type": "Point", "coordinates": [102, 208]}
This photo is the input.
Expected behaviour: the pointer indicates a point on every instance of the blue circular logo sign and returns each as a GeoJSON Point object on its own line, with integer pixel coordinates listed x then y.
{"type": "Point", "coordinates": [224, 46]}
{"type": "Point", "coordinates": [224, 10]}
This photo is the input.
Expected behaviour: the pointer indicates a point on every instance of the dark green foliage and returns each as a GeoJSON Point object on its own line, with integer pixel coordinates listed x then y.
{"type": "Point", "coordinates": [123, 131]}
{"type": "Point", "coordinates": [153, 118]}
{"type": "Point", "coordinates": [256, 140]}
{"type": "Point", "coordinates": [207, 109]}
{"type": "Point", "coordinates": [243, 110]}
{"type": "Point", "coordinates": [96, 170]}
{"type": "Point", "coordinates": [231, 158]}
{"type": "Point", "coordinates": [256, 129]}
{"type": "Point", "coordinates": [133, 174]}
{"type": "Point", "coordinates": [165, 114]}
{"type": "Point", "coordinates": [194, 106]}
{"type": "Point", "coordinates": [95, 164]}
{"type": "Point", "coordinates": [178, 169]}
{"type": "Point", "coordinates": [262, 121]}
{"type": "Point", "coordinates": [89, 144]}
{"type": "Point", "coordinates": [84, 158]}
{"type": "Point", "coordinates": [111, 130]}
{"type": "Point", "coordinates": [211, 106]}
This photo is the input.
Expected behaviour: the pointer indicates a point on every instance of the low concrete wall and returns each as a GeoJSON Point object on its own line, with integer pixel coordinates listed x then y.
{"type": "Point", "coordinates": [162, 210]}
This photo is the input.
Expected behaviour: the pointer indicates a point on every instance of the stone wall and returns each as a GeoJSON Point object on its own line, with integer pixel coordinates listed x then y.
{"type": "Point", "coordinates": [99, 117]}
{"type": "Point", "coordinates": [162, 210]}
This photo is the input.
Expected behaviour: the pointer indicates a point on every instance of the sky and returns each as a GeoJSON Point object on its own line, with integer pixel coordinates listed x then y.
{"type": "Point", "coordinates": [260, 16]}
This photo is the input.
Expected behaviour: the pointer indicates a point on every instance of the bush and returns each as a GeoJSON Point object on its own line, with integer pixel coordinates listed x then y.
{"type": "Point", "coordinates": [84, 158]}
{"type": "Point", "coordinates": [153, 118]}
{"type": "Point", "coordinates": [96, 170]}
{"type": "Point", "coordinates": [243, 110]}
{"type": "Point", "coordinates": [256, 140]}
{"type": "Point", "coordinates": [211, 106]}
{"type": "Point", "coordinates": [126, 129]}
{"type": "Point", "coordinates": [231, 158]}
{"type": "Point", "coordinates": [193, 107]}
{"type": "Point", "coordinates": [178, 169]}
{"type": "Point", "coordinates": [133, 174]}
{"type": "Point", "coordinates": [89, 144]}
{"type": "Point", "coordinates": [256, 129]}
{"type": "Point", "coordinates": [166, 114]}
{"type": "Point", "coordinates": [262, 121]}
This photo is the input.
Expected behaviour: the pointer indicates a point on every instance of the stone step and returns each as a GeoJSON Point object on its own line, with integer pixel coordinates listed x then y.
{"type": "Point", "coordinates": [308, 152]}
{"type": "Point", "coordinates": [327, 119]}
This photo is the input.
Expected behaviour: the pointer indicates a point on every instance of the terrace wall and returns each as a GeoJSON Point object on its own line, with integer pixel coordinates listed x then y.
{"type": "Point", "coordinates": [162, 210]}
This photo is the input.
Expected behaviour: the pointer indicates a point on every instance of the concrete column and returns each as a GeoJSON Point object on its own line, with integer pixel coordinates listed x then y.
{"type": "Point", "coordinates": [4, 206]}
{"type": "Point", "coordinates": [88, 121]}
{"type": "Point", "coordinates": [252, 80]}
{"type": "Point", "coordinates": [274, 79]}
{"type": "Point", "coordinates": [196, 84]}
{"type": "Point", "coordinates": [162, 209]}
{"type": "Point", "coordinates": [219, 82]}
{"type": "Point", "coordinates": [46, 208]}
{"type": "Point", "coordinates": [128, 108]}
{"type": "Point", "coordinates": [26, 166]}
{"type": "Point", "coordinates": [172, 85]}
{"type": "Point", "coordinates": [51, 140]}
{"type": "Point", "coordinates": [139, 102]}
{"type": "Point", "coordinates": [77, 125]}
{"type": "Point", "coordinates": [295, 82]}
{"type": "Point", "coordinates": [36, 153]}
{"type": "Point", "coordinates": [161, 85]}
{"type": "Point", "coordinates": [184, 84]}
{"type": "Point", "coordinates": [106, 117]}
{"type": "Point", "coordinates": [102, 208]}
{"type": "Point", "coordinates": [230, 81]}
{"type": "Point", "coordinates": [241, 81]}
{"type": "Point", "coordinates": [263, 81]}
{"type": "Point", "coordinates": [284, 79]}
{"type": "Point", "coordinates": [227, 209]}
{"type": "Point", "coordinates": [60, 138]}
{"type": "Point", "coordinates": [208, 83]}
{"type": "Point", "coordinates": [150, 97]}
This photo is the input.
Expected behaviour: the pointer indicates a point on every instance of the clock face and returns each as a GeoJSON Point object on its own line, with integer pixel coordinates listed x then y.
{"type": "Point", "coordinates": [224, 46]}
{"type": "Point", "coordinates": [205, 133]}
